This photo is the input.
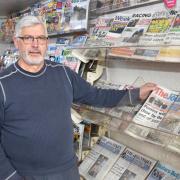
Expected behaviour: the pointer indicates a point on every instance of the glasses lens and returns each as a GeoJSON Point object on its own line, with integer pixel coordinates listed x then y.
{"type": "Point", "coordinates": [41, 39]}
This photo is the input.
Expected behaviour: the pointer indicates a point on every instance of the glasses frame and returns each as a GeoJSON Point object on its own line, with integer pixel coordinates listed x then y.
{"type": "Point", "coordinates": [30, 39]}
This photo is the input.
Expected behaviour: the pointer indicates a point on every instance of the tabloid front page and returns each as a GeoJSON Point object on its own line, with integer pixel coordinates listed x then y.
{"type": "Point", "coordinates": [156, 107]}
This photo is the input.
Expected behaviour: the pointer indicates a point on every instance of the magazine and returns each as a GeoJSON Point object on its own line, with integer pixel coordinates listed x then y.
{"type": "Point", "coordinates": [164, 172]}
{"type": "Point", "coordinates": [100, 159]}
{"type": "Point", "coordinates": [53, 22]}
{"type": "Point", "coordinates": [118, 4]}
{"type": "Point", "coordinates": [75, 16]}
{"type": "Point", "coordinates": [130, 165]}
{"type": "Point", "coordinates": [103, 6]}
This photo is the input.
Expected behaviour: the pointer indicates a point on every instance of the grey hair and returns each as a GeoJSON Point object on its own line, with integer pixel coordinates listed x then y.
{"type": "Point", "coordinates": [28, 21]}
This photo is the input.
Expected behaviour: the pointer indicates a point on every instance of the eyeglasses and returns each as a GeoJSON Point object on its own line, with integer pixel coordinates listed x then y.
{"type": "Point", "coordinates": [30, 39]}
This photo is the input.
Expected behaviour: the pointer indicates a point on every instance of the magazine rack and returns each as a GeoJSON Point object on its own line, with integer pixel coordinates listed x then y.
{"type": "Point", "coordinates": [119, 122]}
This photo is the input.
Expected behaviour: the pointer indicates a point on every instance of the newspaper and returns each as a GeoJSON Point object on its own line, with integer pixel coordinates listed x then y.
{"type": "Point", "coordinates": [100, 159]}
{"type": "Point", "coordinates": [169, 54]}
{"type": "Point", "coordinates": [171, 121]}
{"type": "Point", "coordinates": [164, 172]}
{"type": "Point", "coordinates": [148, 134]}
{"type": "Point", "coordinates": [123, 112]}
{"type": "Point", "coordinates": [173, 36]}
{"type": "Point", "coordinates": [157, 30]}
{"type": "Point", "coordinates": [136, 27]}
{"type": "Point", "coordinates": [99, 32]}
{"type": "Point", "coordinates": [78, 139]}
{"type": "Point", "coordinates": [174, 144]}
{"type": "Point", "coordinates": [118, 24]}
{"type": "Point", "coordinates": [78, 41]}
{"type": "Point", "coordinates": [122, 52]}
{"type": "Point", "coordinates": [156, 107]}
{"type": "Point", "coordinates": [89, 54]}
{"type": "Point", "coordinates": [131, 165]}
{"type": "Point", "coordinates": [146, 53]}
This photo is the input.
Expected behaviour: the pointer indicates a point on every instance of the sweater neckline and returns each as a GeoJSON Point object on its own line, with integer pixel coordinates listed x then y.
{"type": "Point", "coordinates": [31, 74]}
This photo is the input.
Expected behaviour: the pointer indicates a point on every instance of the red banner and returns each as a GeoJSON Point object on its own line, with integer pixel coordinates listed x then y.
{"type": "Point", "coordinates": [170, 3]}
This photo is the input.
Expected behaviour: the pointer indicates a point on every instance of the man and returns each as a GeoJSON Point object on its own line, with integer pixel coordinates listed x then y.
{"type": "Point", "coordinates": [35, 99]}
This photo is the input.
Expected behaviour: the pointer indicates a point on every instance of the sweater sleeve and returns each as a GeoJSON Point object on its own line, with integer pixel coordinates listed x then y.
{"type": "Point", "coordinates": [84, 93]}
{"type": "Point", "coordinates": [7, 172]}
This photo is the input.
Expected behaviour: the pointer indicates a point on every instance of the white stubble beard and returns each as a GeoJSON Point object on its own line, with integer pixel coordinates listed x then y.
{"type": "Point", "coordinates": [29, 60]}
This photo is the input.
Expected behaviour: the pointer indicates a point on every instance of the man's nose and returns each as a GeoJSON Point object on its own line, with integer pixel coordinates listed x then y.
{"type": "Point", "coordinates": [35, 42]}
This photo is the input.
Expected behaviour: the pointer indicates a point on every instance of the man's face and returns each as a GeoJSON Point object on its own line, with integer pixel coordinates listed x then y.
{"type": "Point", "coordinates": [32, 47]}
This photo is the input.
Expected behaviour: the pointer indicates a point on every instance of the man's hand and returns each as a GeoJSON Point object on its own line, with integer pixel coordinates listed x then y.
{"type": "Point", "coordinates": [145, 90]}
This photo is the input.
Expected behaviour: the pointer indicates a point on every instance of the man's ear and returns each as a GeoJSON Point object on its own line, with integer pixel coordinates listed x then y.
{"type": "Point", "coordinates": [15, 40]}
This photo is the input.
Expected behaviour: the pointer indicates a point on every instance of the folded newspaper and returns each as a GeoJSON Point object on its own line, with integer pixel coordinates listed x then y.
{"type": "Point", "coordinates": [130, 165]}
{"type": "Point", "coordinates": [164, 172]}
{"type": "Point", "coordinates": [100, 159]}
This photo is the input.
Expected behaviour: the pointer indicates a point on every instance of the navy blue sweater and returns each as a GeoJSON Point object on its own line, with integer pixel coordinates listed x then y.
{"type": "Point", "coordinates": [35, 122]}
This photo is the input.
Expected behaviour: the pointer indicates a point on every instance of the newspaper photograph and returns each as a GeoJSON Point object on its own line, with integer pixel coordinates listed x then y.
{"type": "Point", "coordinates": [100, 159]}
